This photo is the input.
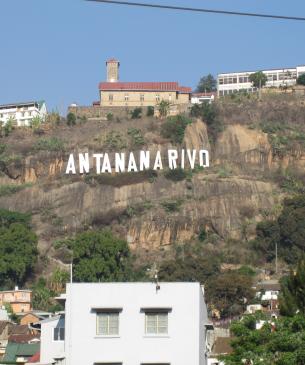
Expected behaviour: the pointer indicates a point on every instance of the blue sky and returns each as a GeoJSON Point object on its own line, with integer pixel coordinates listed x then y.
{"type": "Point", "coordinates": [56, 49]}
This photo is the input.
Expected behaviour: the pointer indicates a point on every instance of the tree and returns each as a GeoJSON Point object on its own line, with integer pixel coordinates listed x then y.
{"type": "Point", "coordinates": [301, 80]}
{"type": "Point", "coordinates": [163, 108]}
{"type": "Point", "coordinates": [258, 79]}
{"type": "Point", "coordinates": [43, 297]}
{"type": "Point", "coordinates": [100, 256]}
{"type": "Point", "coordinates": [9, 126]}
{"type": "Point", "coordinates": [150, 111]}
{"type": "Point", "coordinates": [292, 299]}
{"type": "Point", "coordinates": [71, 119]}
{"type": "Point", "coordinates": [136, 113]}
{"type": "Point", "coordinates": [281, 342]}
{"type": "Point", "coordinates": [207, 84]}
{"type": "Point", "coordinates": [229, 292]}
{"type": "Point", "coordinates": [59, 280]}
{"type": "Point", "coordinates": [174, 128]}
{"type": "Point", "coordinates": [18, 248]}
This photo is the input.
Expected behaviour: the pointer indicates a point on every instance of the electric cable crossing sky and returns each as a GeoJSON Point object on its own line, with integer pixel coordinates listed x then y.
{"type": "Point", "coordinates": [200, 10]}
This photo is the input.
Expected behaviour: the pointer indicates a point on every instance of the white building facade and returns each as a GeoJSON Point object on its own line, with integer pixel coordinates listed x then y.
{"type": "Point", "coordinates": [199, 98]}
{"type": "Point", "coordinates": [22, 114]}
{"type": "Point", "coordinates": [133, 324]}
{"type": "Point", "coordinates": [230, 83]}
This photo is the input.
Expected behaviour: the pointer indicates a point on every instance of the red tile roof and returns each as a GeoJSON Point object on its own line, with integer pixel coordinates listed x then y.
{"type": "Point", "coordinates": [143, 86]}
{"type": "Point", "coordinates": [34, 358]}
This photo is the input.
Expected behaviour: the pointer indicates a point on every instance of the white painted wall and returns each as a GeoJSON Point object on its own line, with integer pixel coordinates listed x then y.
{"type": "Point", "coordinates": [184, 344]}
{"type": "Point", "coordinates": [50, 349]}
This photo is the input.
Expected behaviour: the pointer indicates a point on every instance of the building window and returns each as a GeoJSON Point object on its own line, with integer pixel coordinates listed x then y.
{"type": "Point", "coordinates": [107, 324]}
{"type": "Point", "coordinates": [156, 323]}
{"type": "Point", "coordinates": [157, 98]}
{"type": "Point", "coordinates": [142, 97]}
{"type": "Point", "coordinates": [110, 97]}
{"type": "Point", "coordinates": [126, 97]}
{"type": "Point", "coordinates": [59, 334]}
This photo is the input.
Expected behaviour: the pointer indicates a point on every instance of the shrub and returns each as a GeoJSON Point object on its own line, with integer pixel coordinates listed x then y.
{"type": "Point", "coordinates": [150, 111]}
{"type": "Point", "coordinates": [172, 205]}
{"type": "Point", "coordinates": [202, 235]}
{"type": "Point", "coordinates": [49, 144]}
{"type": "Point", "coordinates": [109, 117]}
{"type": "Point", "coordinates": [136, 113]}
{"type": "Point", "coordinates": [12, 189]}
{"type": "Point", "coordinates": [174, 128]}
{"type": "Point", "coordinates": [71, 119]}
{"type": "Point", "coordinates": [114, 140]}
{"type": "Point", "coordinates": [176, 174]}
{"type": "Point", "coordinates": [163, 108]}
{"type": "Point", "coordinates": [136, 136]}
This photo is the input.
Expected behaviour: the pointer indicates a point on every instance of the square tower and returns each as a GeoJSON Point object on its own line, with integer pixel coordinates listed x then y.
{"type": "Point", "coordinates": [112, 70]}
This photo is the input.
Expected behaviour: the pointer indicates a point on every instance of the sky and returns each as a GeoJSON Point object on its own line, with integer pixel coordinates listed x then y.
{"type": "Point", "coordinates": [56, 49]}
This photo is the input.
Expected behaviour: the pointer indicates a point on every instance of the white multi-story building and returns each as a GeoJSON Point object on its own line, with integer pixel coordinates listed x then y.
{"type": "Point", "coordinates": [23, 113]}
{"type": "Point", "coordinates": [229, 83]}
{"type": "Point", "coordinates": [128, 324]}
{"type": "Point", "coordinates": [199, 98]}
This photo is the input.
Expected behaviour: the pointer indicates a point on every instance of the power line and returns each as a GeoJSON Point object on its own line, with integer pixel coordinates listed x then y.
{"type": "Point", "coordinates": [200, 10]}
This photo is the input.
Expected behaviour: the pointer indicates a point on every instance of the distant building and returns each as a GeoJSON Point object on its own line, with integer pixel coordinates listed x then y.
{"type": "Point", "coordinates": [128, 324]}
{"type": "Point", "coordinates": [199, 98]}
{"type": "Point", "coordinates": [114, 93]}
{"type": "Point", "coordinates": [23, 113]}
{"type": "Point", "coordinates": [19, 300]}
{"type": "Point", "coordinates": [230, 83]}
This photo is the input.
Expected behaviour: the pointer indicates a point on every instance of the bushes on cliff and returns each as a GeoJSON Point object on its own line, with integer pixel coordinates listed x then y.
{"type": "Point", "coordinates": [18, 248]}
{"type": "Point", "coordinates": [49, 144]}
{"type": "Point", "coordinates": [174, 127]}
{"type": "Point", "coordinates": [288, 231]}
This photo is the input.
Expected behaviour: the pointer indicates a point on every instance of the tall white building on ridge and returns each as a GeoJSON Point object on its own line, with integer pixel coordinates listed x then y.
{"type": "Point", "coordinates": [22, 113]}
{"type": "Point", "coordinates": [229, 83]}
{"type": "Point", "coordinates": [128, 324]}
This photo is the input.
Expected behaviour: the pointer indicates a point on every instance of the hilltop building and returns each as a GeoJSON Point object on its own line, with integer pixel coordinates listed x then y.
{"type": "Point", "coordinates": [128, 324]}
{"type": "Point", "coordinates": [23, 113]}
{"type": "Point", "coordinates": [114, 93]}
{"type": "Point", "coordinates": [19, 300]}
{"type": "Point", "coordinates": [229, 83]}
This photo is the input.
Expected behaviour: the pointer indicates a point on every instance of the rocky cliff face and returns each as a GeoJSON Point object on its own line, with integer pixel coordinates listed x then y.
{"type": "Point", "coordinates": [214, 199]}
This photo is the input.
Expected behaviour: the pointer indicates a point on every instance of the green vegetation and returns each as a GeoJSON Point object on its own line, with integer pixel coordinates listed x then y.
{"type": "Point", "coordinates": [174, 127]}
{"type": "Point", "coordinates": [301, 80]}
{"type": "Point", "coordinates": [6, 190]}
{"type": "Point", "coordinates": [287, 231]}
{"type": "Point", "coordinates": [9, 126]}
{"type": "Point", "coordinates": [115, 141]}
{"type": "Point", "coordinates": [136, 137]}
{"type": "Point", "coordinates": [53, 118]}
{"type": "Point", "coordinates": [284, 138]}
{"type": "Point", "coordinates": [150, 111]}
{"type": "Point", "coordinates": [136, 113]}
{"type": "Point", "coordinates": [43, 295]}
{"type": "Point", "coordinates": [258, 79]}
{"type": "Point", "coordinates": [36, 123]}
{"type": "Point", "coordinates": [209, 115]}
{"type": "Point", "coordinates": [109, 117]}
{"type": "Point", "coordinates": [100, 256]}
{"type": "Point", "coordinates": [163, 108]}
{"type": "Point", "coordinates": [49, 144]}
{"type": "Point", "coordinates": [71, 119]}
{"type": "Point", "coordinates": [172, 205]}
{"type": "Point", "coordinates": [207, 84]}
{"type": "Point", "coordinates": [292, 299]}
{"type": "Point", "coordinates": [18, 248]}
{"type": "Point", "coordinates": [138, 209]}
{"type": "Point", "coordinates": [176, 174]}
{"type": "Point", "coordinates": [281, 342]}
{"type": "Point", "coordinates": [122, 179]}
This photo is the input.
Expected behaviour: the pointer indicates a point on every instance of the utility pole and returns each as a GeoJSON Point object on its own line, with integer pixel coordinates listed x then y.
{"type": "Point", "coordinates": [276, 267]}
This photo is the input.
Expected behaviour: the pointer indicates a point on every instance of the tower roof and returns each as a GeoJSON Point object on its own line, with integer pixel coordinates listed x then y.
{"type": "Point", "coordinates": [112, 60]}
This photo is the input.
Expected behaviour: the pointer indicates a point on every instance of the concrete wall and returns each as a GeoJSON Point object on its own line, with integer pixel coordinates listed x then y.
{"type": "Point", "coordinates": [50, 349]}
{"type": "Point", "coordinates": [182, 345]}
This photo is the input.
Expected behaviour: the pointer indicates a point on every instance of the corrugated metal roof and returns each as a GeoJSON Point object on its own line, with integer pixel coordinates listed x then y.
{"type": "Point", "coordinates": [14, 350]}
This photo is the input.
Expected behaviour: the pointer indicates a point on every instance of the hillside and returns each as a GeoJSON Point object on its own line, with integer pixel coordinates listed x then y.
{"type": "Point", "coordinates": [257, 158]}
